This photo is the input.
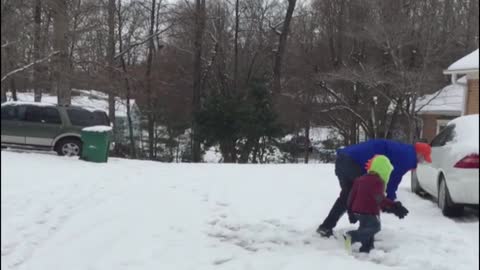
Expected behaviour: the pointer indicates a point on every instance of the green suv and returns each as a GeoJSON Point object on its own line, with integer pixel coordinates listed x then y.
{"type": "Point", "coordinates": [47, 126]}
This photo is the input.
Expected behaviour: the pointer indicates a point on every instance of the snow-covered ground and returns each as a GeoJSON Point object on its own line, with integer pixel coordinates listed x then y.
{"type": "Point", "coordinates": [63, 213]}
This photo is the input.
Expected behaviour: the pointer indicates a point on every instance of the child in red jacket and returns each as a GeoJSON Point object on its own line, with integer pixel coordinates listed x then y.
{"type": "Point", "coordinates": [367, 198]}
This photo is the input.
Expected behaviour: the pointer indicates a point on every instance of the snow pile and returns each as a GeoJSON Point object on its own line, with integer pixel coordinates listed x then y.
{"type": "Point", "coordinates": [91, 93]}
{"type": "Point", "coordinates": [446, 100]}
{"type": "Point", "coordinates": [468, 62]}
{"type": "Point", "coordinates": [98, 129]}
{"type": "Point", "coordinates": [466, 137]}
{"type": "Point", "coordinates": [319, 134]}
{"type": "Point", "coordinates": [212, 155]}
{"type": "Point", "coordinates": [129, 214]}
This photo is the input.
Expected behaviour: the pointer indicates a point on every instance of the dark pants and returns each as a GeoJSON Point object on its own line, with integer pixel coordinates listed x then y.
{"type": "Point", "coordinates": [346, 170]}
{"type": "Point", "coordinates": [369, 226]}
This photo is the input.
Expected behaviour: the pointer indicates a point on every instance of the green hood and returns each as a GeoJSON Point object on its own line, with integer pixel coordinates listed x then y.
{"type": "Point", "coordinates": [381, 165]}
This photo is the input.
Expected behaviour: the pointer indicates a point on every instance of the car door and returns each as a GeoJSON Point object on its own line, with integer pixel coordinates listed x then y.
{"type": "Point", "coordinates": [42, 124]}
{"type": "Point", "coordinates": [428, 173]}
{"type": "Point", "coordinates": [442, 151]}
{"type": "Point", "coordinates": [12, 124]}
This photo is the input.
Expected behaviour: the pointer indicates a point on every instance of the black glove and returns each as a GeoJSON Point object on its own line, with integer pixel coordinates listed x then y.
{"type": "Point", "coordinates": [389, 210]}
{"type": "Point", "coordinates": [399, 210]}
{"type": "Point", "coordinates": [351, 217]}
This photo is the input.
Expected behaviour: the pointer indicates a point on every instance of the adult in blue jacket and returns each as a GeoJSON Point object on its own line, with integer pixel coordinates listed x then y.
{"type": "Point", "coordinates": [350, 164]}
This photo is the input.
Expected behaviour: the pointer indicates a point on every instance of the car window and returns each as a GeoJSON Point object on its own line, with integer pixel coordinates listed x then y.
{"type": "Point", "coordinates": [33, 114]}
{"type": "Point", "coordinates": [47, 115]}
{"type": "Point", "coordinates": [9, 113]}
{"type": "Point", "coordinates": [446, 135]}
{"type": "Point", "coordinates": [101, 118]}
{"type": "Point", "coordinates": [51, 116]}
{"type": "Point", "coordinates": [85, 118]}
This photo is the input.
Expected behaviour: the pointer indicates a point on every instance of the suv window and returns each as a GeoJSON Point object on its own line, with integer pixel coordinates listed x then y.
{"type": "Point", "coordinates": [101, 118]}
{"type": "Point", "coordinates": [9, 113]}
{"type": "Point", "coordinates": [85, 118]}
{"type": "Point", "coordinates": [47, 115]}
{"type": "Point", "coordinates": [446, 135]}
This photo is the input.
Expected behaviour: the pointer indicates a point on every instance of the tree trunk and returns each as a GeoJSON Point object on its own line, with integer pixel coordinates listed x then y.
{"type": "Point", "coordinates": [197, 75]}
{"type": "Point", "coordinates": [36, 51]}
{"type": "Point", "coordinates": [229, 151]}
{"type": "Point", "coordinates": [148, 75]}
{"type": "Point", "coordinates": [413, 123]}
{"type": "Point", "coordinates": [247, 149]}
{"type": "Point", "coordinates": [237, 22]}
{"type": "Point", "coordinates": [255, 151]}
{"type": "Point", "coordinates": [4, 95]}
{"type": "Point", "coordinates": [46, 69]}
{"type": "Point", "coordinates": [61, 66]}
{"type": "Point", "coordinates": [111, 63]}
{"type": "Point", "coordinates": [3, 87]}
{"type": "Point", "coordinates": [307, 141]}
{"type": "Point", "coordinates": [373, 120]}
{"type": "Point", "coordinates": [11, 65]}
{"type": "Point", "coordinates": [133, 152]}
{"type": "Point", "coordinates": [282, 45]}
{"type": "Point", "coordinates": [472, 25]}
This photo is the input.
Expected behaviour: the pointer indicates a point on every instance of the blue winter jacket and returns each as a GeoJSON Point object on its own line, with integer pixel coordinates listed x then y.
{"type": "Point", "coordinates": [402, 156]}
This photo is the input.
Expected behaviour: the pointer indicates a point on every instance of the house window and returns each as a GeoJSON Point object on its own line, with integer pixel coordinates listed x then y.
{"type": "Point", "coordinates": [441, 124]}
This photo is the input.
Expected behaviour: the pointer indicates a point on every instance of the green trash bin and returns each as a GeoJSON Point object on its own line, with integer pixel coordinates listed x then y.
{"type": "Point", "coordinates": [96, 143]}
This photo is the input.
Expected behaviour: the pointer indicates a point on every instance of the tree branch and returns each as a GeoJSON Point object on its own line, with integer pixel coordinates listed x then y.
{"type": "Point", "coordinates": [429, 101]}
{"type": "Point", "coordinates": [147, 39]}
{"type": "Point", "coordinates": [346, 106]}
{"type": "Point", "coordinates": [8, 44]}
{"type": "Point", "coordinates": [28, 66]}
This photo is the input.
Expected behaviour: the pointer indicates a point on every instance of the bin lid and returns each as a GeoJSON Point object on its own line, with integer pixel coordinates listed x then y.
{"type": "Point", "coordinates": [97, 129]}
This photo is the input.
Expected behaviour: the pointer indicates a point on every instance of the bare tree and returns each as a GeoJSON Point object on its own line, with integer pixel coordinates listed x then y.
{"type": "Point", "coordinates": [37, 50]}
{"type": "Point", "coordinates": [149, 97]}
{"type": "Point", "coordinates": [61, 65]}
{"type": "Point", "coordinates": [111, 61]}
{"type": "Point", "coordinates": [282, 45]}
{"type": "Point", "coordinates": [200, 20]}
{"type": "Point", "coordinates": [133, 151]}
{"type": "Point", "coordinates": [237, 26]}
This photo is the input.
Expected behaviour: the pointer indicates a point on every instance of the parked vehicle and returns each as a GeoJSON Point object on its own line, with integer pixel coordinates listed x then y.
{"type": "Point", "coordinates": [47, 126]}
{"type": "Point", "coordinates": [453, 175]}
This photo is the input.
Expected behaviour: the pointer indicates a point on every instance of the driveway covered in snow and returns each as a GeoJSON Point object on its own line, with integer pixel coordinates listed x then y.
{"type": "Point", "coordinates": [63, 213]}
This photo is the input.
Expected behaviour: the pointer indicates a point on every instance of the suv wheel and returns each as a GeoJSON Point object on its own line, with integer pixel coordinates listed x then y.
{"type": "Point", "coordinates": [69, 147]}
{"type": "Point", "coordinates": [449, 209]}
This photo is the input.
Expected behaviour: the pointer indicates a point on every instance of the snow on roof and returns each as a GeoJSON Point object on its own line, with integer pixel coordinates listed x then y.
{"type": "Point", "coordinates": [88, 99]}
{"type": "Point", "coordinates": [468, 62]}
{"type": "Point", "coordinates": [448, 100]}
{"type": "Point", "coordinates": [40, 104]}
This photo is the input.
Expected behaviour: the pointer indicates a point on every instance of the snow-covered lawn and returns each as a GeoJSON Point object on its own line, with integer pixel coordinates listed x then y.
{"type": "Point", "coordinates": [63, 213]}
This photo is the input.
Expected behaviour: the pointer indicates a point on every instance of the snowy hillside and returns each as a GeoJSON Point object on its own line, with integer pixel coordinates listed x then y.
{"type": "Point", "coordinates": [63, 213]}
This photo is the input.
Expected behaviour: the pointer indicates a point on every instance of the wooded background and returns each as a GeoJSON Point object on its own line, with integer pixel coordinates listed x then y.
{"type": "Point", "coordinates": [240, 74]}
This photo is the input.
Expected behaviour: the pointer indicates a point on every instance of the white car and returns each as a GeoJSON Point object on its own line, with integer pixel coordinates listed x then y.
{"type": "Point", "coordinates": [452, 177]}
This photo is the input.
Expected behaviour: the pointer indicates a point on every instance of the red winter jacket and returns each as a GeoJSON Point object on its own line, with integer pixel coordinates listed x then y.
{"type": "Point", "coordinates": [368, 195]}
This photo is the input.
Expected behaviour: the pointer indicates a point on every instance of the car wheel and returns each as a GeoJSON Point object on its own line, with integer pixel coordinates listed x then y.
{"type": "Point", "coordinates": [415, 185]}
{"type": "Point", "coordinates": [69, 147]}
{"type": "Point", "coordinates": [449, 209]}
